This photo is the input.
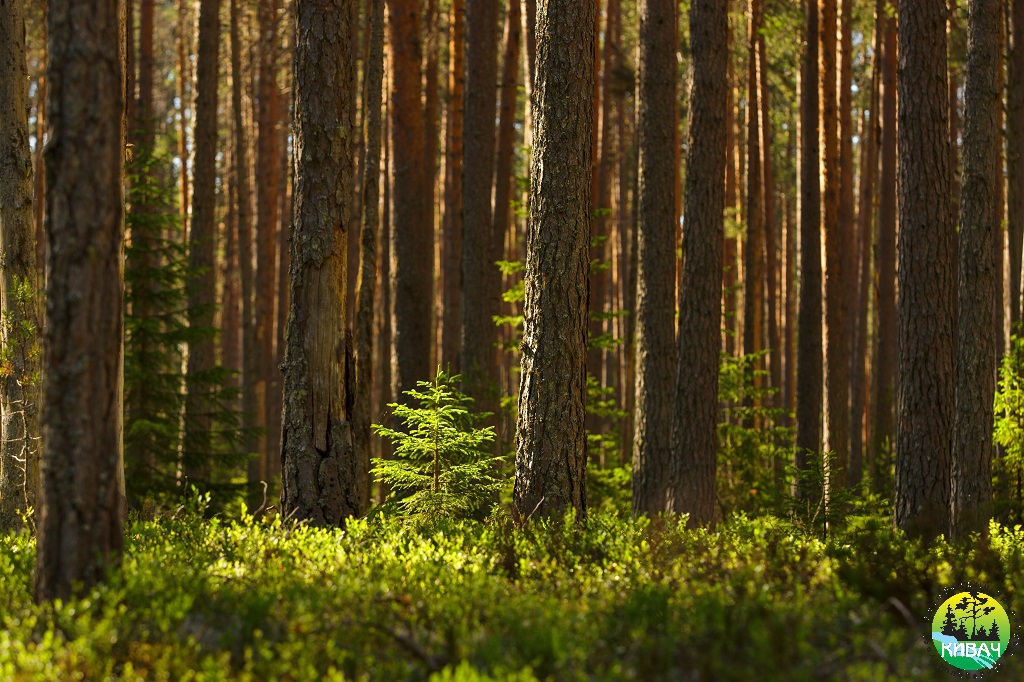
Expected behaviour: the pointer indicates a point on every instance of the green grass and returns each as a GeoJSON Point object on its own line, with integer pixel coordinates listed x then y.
{"type": "Point", "coordinates": [210, 599]}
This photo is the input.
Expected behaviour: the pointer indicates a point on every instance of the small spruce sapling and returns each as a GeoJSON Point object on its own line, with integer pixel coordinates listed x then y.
{"type": "Point", "coordinates": [442, 466]}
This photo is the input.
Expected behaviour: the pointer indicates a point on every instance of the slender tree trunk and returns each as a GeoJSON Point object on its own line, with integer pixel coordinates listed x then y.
{"type": "Point", "coordinates": [323, 481]}
{"type": "Point", "coordinates": [551, 444]}
{"type": "Point", "coordinates": [971, 472]}
{"type": "Point", "coordinates": [730, 265]}
{"type": "Point", "coordinates": [39, 193]}
{"type": "Point", "coordinates": [927, 283]}
{"type": "Point", "coordinates": [654, 330]}
{"type": "Point", "coordinates": [754, 252]}
{"type": "Point", "coordinates": [768, 203]}
{"type": "Point", "coordinates": [451, 321]}
{"type": "Point", "coordinates": [184, 96]}
{"type": "Point", "coordinates": [372, 95]}
{"type": "Point", "coordinates": [809, 344]}
{"type": "Point", "coordinates": [885, 361]}
{"type": "Point", "coordinates": [19, 328]}
{"type": "Point", "coordinates": [81, 523]}
{"type": "Point", "coordinates": [202, 249]}
{"type": "Point", "coordinates": [1015, 156]}
{"type": "Point", "coordinates": [411, 239]}
{"type": "Point", "coordinates": [431, 127]}
{"type": "Point", "coordinates": [481, 246]}
{"type": "Point", "coordinates": [145, 123]}
{"type": "Point", "coordinates": [384, 335]}
{"type": "Point", "coordinates": [694, 430]}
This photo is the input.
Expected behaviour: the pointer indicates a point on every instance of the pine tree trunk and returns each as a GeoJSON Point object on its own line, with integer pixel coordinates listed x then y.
{"type": "Point", "coordinates": [809, 343]}
{"type": "Point", "coordinates": [451, 304]}
{"type": "Point", "coordinates": [431, 127]}
{"type": "Point", "coordinates": [754, 252]}
{"type": "Point", "coordinates": [927, 283]}
{"type": "Point", "coordinates": [323, 480]}
{"type": "Point", "coordinates": [654, 339]}
{"type": "Point", "coordinates": [202, 249]}
{"type": "Point", "coordinates": [411, 239]}
{"type": "Point", "coordinates": [884, 390]}
{"type": "Point", "coordinates": [768, 202]}
{"type": "Point", "coordinates": [481, 245]}
{"type": "Point", "coordinates": [691, 488]}
{"type": "Point", "coordinates": [971, 472]}
{"type": "Point", "coordinates": [551, 444]}
{"type": "Point", "coordinates": [81, 521]}
{"type": "Point", "coordinates": [39, 192]}
{"type": "Point", "coordinates": [184, 96]}
{"type": "Point", "coordinates": [1015, 156]}
{"type": "Point", "coordinates": [19, 328]}
{"type": "Point", "coordinates": [362, 405]}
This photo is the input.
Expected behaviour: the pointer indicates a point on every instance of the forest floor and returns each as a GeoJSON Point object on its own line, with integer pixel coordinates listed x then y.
{"type": "Point", "coordinates": [211, 598]}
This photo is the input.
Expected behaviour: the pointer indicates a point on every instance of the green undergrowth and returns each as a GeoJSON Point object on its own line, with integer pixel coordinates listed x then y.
{"type": "Point", "coordinates": [210, 599]}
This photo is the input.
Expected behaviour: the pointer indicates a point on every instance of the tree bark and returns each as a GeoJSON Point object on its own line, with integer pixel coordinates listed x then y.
{"type": "Point", "coordinates": [81, 523]}
{"type": "Point", "coordinates": [971, 472]}
{"type": "Point", "coordinates": [323, 481]}
{"type": "Point", "coordinates": [551, 444]}
{"type": "Point", "coordinates": [19, 284]}
{"type": "Point", "coordinates": [412, 270]}
{"type": "Point", "coordinates": [184, 96]}
{"type": "Point", "coordinates": [1015, 156]}
{"type": "Point", "coordinates": [809, 350]}
{"type": "Point", "coordinates": [372, 95]}
{"type": "Point", "coordinates": [451, 321]}
{"type": "Point", "coordinates": [202, 240]}
{"type": "Point", "coordinates": [754, 253]}
{"type": "Point", "coordinates": [926, 277]}
{"type": "Point", "coordinates": [481, 247]}
{"type": "Point", "coordinates": [654, 340]}
{"type": "Point", "coordinates": [695, 426]}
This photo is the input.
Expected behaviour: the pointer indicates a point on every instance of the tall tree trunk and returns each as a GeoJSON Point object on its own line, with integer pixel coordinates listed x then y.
{"type": "Point", "coordinates": [481, 246]}
{"type": "Point", "coordinates": [267, 190]}
{"type": "Point", "coordinates": [927, 283]}
{"type": "Point", "coordinates": [411, 240]}
{"type": "Point", "coordinates": [384, 335]}
{"type": "Point", "coordinates": [859, 379]}
{"type": "Point", "coordinates": [19, 328]}
{"type": "Point", "coordinates": [754, 271]}
{"type": "Point", "coordinates": [144, 124]}
{"type": "Point", "coordinates": [202, 240]}
{"type": "Point", "coordinates": [323, 480]}
{"type": "Point", "coordinates": [551, 443]}
{"type": "Point", "coordinates": [768, 203]}
{"type": "Point", "coordinates": [364, 332]}
{"type": "Point", "coordinates": [836, 435]}
{"type": "Point", "coordinates": [39, 192]}
{"type": "Point", "coordinates": [809, 358]}
{"type": "Point", "coordinates": [1015, 156]}
{"type": "Point", "coordinates": [654, 340]}
{"type": "Point", "coordinates": [971, 472]}
{"type": "Point", "coordinates": [184, 96]}
{"type": "Point", "coordinates": [730, 264]}
{"type": "Point", "coordinates": [694, 430]}
{"type": "Point", "coordinates": [885, 361]}
{"type": "Point", "coordinates": [81, 523]}
{"type": "Point", "coordinates": [431, 126]}
{"type": "Point", "coordinates": [451, 304]}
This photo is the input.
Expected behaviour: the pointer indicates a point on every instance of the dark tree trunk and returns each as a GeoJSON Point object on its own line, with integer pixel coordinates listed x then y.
{"type": "Point", "coordinates": [809, 360]}
{"type": "Point", "coordinates": [885, 359]}
{"type": "Point", "coordinates": [323, 482]}
{"type": "Point", "coordinates": [691, 488]}
{"type": "Point", "coordinates": [656, 261]}
{"type": "Point", "coordinates": [971, 473]}
{"type": "Point", "coordinates": [81, 523]}
{"type": "Point", "coordinates": [754, 249]}
{"type": "Point", "coordinates": [927, 282]}
{"type": "Point", "coordinates": [451, 301]}
{"type": "Point", "coordinates": [1015, 156]}
{"type": "Point", "coordinates": [551, 442]}
{"type": "Point", "coordinates": [202, 249]}
{"type": "Point", "coordinates": [362, 405]}
{"type": "Point", "coordinates": [481, 247]}
{"type": "Point", "coordinates": [19, 452]}
{"type": "Point", "coordinates": [412, 269]}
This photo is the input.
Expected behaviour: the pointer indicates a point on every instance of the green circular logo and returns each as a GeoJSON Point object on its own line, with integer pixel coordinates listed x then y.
{"type": "Point", "coordinates": [971, 630]}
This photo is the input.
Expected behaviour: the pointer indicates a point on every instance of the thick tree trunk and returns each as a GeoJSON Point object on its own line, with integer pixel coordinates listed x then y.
{"type": "Point", "coordinates": [19, 328]}
{"type": "Point", "coordinates": [971, 472]}
{"type": "Point", "coordinates": [481, 246]}
{"type": "Point", "coordinates": [362, 405]}
{"type": "Point", "coordinates": [451, 302]}
{"type": "Point", "coordinates": [323, 480]}
{"type": "Point", "coordinates": [694, 430]}
{"type": "Point", "coordinates": [81, 524]}
{"type": "Point", "coordinates": [412, 269]}
{"type": "Point", "coordinates": [809, 356]}
{"type": "Point", "coordinates": [551, 443]}
{"type": "Point", "coordinates": [1015, 156]}
{"type": "Point", "coordinates": [927, 283]}
{"type": "Point", "coordinates": [656, 261]}
{"type": "Point", "coordinates": [202, 249]}
{"type": "Point", "coordinates": [884, 391]}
